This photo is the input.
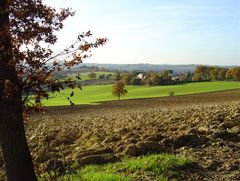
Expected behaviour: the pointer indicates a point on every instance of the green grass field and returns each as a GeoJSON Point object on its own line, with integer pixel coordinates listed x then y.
{"type": "Point", "coordinates": [160, 167]}
{"type": "Point", "coordinates": [98, 93]}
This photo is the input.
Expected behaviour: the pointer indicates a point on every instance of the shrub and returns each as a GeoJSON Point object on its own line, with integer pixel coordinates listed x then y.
{"type": "Point", "coordinates": [102, 76]}
{"type": "Point", "coordinates": [92, 75]}
{"type": "Point", "coordinates": [171, 93]}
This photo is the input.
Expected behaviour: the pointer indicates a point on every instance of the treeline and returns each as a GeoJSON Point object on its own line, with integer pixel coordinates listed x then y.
{"type": "Point", "coordinates": [208, 73]}
{"type": "Point", "coordinates": [168, 77]}
{"type": "Point", "coordinates": [201, 73]}
{"type": "Point", "coordinates": [93, 75]}
{"type": "Point", "coordinates": [92, 68]}
{"type": "Point", "coordinates": [152, 78]}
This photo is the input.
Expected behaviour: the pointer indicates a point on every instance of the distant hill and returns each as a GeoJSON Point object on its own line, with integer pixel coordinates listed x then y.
{"type": "Point", "coordinates": [143, 67]}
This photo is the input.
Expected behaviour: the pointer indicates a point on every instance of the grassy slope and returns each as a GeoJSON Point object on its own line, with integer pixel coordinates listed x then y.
{"type": "Point", "coordinates": [153, 167]}
{"type": "Point", "coordinates": [96, 93]}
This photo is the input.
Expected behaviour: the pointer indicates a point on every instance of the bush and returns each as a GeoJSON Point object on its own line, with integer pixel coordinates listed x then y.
{"type": "Point", "coordinates": [171, 93]}
{"type": "Point", "coordinates": [102, 76]}
{"type": "Point", "coordinates": [92, 75]}
{"type": "Point", "coordinates": [109, 76]}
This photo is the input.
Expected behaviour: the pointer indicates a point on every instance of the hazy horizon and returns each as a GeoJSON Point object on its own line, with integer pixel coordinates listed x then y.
{"type": "Point", "coordinates": [228, 65]}
{"type": "Point", "coordinates": [157, 31]}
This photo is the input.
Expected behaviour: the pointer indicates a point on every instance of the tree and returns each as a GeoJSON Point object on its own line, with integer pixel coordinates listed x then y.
{"type": "Point", "coordinates": [165, 74]}
{"type": "Point", "coordinates": [118, 89]}
{"type": "Point", "coordinates": [109, 76]}
{"type": "Point", "coordinates": [203, 72]}
{"type": "Point", "coordinates": [126, 79]}
{"type": "Point", "coordinates": [221, 74]}
{"type": "Point", "coordinates": [102, 76]}
{"type": "Point", "coordinates": [214, 73]}
{"type": "Point", "coordinates": [236, 73]}
{"type": "Point", "coordinates": [27, 66]}
{"type": "Point", "coordinates": [117, 76]}
{"type": "Point", "coordinates": [201, 69]}
{"type": "Point", "coordinates": [152, 78]}
{"type": "Point", "coordinates": [155, 79]}
{"type": "Point", "coordinates": [92, 75]}
{"type": "Point", "coordinates": [196, 77]}
{"type": "Point", "coordinates": [228, 74]}
{"type": "Point", "coordinates": [136, 81]}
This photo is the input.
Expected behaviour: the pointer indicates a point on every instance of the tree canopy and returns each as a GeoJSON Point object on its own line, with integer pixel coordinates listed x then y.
{"type": "Point", "coordinates": [118, 89]}
{"type": "Point", "coordinates": [32, 27]}
{"type": "Point", "coordinates": [205, 73]}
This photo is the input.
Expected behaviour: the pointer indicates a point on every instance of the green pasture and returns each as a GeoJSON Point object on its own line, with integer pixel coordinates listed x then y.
{"type": "Point", "coordinates": [98, 93]}
{"type": "Point", "coordinates": [160, 167]}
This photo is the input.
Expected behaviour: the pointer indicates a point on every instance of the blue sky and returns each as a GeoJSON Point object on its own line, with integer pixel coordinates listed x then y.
{"type": "Point", "coordinates": [157, 31]}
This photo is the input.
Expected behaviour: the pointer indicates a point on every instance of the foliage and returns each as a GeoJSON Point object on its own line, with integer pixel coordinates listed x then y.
{"type": "Point", "coordinates": [196, 77]}
{"type": "Point", "coordinates": [214, 74]}
{"type": "Point", "coordinates": [152, 78]}
{"type": "Point", "coordinates": [201, 69]}
{"type": "Point", "coordinates": [84, 76]}
{"type": "Point", "coordinates": [171, 93]}
{"type": "Point", "coordinates": [117, 76]}
{"type": "Point", "coordinates": [108, 76]}
{"type": "Point", "coordinates": [126, 79]}
{"type": "Point", "coordinates": [136, 81]}
{"type": "Point", "coordinates": [228, 74]}
{"type": "Point", "coordinates": [222, 74]}
{"type": "Point", "coordinates": [33, 25]}
{"type": "Point", "coordinates": [92, 75]}
{"type": "Point", "coordinates": [236, 73]}
{"type": "Point", "coordinates": [118, 89]}
{"type": "Point", "coordinates": [203, 73]}
{"type": "Point", "coordinates": [102, 76]}
{"type": "Point", "coordinates": [165, 74]}
{"type": "Point", "coordinates": [155, 79]}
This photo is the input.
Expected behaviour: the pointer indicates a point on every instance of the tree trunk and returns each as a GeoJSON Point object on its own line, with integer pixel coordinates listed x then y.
{"type": "Point", "coordinates": [17, 158]}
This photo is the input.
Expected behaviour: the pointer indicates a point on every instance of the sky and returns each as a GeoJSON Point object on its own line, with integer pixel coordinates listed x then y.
{"type": "Point", "coordinates": [157, 31]}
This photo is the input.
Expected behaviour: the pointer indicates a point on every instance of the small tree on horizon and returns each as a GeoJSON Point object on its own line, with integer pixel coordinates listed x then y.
{"type": "Point", "coordinates": [118, 89]}
{"type": "Point", "coordinates": [92, 75]}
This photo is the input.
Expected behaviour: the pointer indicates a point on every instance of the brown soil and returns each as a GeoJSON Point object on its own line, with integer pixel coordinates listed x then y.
{"type": "Point", "coordinates": [205, 127]}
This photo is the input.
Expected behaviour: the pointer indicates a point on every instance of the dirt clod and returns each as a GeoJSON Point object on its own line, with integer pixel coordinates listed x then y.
{"type": "Point", "coordinates": [204, 127]}
{"type": "Point", "coordinates": [97, 159]}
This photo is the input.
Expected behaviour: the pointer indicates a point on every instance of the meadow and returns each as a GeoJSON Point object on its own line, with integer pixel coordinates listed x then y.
{"type": "Point", "coordinates": [98, 93]}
